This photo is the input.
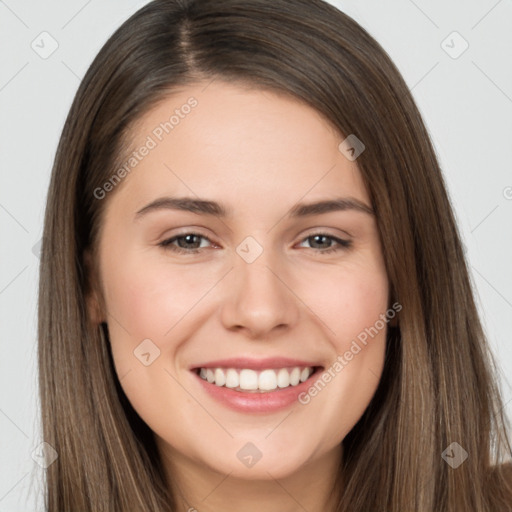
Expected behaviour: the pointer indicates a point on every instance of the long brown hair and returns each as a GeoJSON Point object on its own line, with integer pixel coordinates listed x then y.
{"type": "Point", "coordinates": [439, 384]}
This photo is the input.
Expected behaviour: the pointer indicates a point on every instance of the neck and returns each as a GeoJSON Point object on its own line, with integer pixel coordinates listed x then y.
{"type": "Point", "coordinates": [202, 489]}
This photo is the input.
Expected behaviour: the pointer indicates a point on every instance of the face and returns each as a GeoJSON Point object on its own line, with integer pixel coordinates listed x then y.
{"type": "Point", "coordinates": [244, 282]}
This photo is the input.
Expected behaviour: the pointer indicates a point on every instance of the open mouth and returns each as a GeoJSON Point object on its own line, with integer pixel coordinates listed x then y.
{"type": "Point", "coordinates": [248, 380]}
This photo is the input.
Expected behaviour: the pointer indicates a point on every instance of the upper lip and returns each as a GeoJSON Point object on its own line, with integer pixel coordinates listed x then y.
{"type": "Point", "coordinates": [256, 364]}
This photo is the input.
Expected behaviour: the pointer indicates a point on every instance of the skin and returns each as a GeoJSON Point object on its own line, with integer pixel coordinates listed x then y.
{"type": "Point", "coordinates": [258, 153]}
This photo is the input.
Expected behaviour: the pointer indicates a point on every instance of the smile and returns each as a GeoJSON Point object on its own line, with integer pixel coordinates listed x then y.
{"type": "Point", "coordinates": [252, 381]}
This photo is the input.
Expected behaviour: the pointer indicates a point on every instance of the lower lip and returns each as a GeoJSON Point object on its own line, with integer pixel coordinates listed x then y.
{"type": "Point", "coordinates": [269, 401]}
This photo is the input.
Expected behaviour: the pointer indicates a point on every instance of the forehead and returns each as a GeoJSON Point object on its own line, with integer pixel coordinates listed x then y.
{"type": "Point", "coordinates": [240, 145]}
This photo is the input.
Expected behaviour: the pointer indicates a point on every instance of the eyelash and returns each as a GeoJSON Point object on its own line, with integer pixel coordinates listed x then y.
{"type": "Point", "coordinates": [167, 244]}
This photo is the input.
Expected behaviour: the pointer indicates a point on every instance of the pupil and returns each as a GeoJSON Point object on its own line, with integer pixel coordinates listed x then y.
{"type": "Point", "coordinates": [316, 238]}
{"type": "Point", "coordinates": [189, 239]}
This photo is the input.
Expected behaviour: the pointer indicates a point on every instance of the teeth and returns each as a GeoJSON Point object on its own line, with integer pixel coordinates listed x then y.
{"type": "Point", "coordinates": [232, 380]}
{"type": "Point", "coordinates": [283, 378]}
{"type": "Point", "coordinates": [253, 381]}
{"type": "Point", "coordinates": [295, 376]}
{"type": "Point", "coordinates": [267, 380]}
{"type": "Point", "coordinates": [248, 380]}
{"type": "Point", "coordinates": [220, 377]}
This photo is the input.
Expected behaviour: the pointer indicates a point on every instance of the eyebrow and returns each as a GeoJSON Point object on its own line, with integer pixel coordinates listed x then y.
{"type": "Point", "coordinates": [206, 207]}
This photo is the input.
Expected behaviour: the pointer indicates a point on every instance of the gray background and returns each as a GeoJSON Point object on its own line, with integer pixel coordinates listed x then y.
{"type": "Point", "coordinates": [466, 101]}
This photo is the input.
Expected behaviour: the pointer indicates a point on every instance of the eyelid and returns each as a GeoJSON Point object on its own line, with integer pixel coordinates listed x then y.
{"type": "Point", "coordinates": [191, 230]}
{"type": "Point", "coordinates": [310, 232]}
{"type": "Point", "coordinates": [326, 231]}
{"type": "Point", "coordinates": [167, 242]}
{"type": "Point", "coordinates": [340, 244]}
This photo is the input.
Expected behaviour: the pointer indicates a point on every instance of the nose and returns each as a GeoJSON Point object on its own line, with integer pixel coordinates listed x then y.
{"type": "Point", "coordinates": [258, 300]}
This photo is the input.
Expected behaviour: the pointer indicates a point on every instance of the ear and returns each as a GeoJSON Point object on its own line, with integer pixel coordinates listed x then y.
{"type": "Point", "coordinates": [93, 295]}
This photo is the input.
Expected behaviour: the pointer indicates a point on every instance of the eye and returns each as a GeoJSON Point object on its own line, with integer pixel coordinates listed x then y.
{"type": "Point", "coordinates": [186, 243]}
{"type": "Point", "coordinates": [321, 239]}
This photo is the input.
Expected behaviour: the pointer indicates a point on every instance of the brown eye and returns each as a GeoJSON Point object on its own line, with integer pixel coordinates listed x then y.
{"type": "Point", "coordinates": [185, 243]}
{"type": "Point", "coordinates": [324, 243]}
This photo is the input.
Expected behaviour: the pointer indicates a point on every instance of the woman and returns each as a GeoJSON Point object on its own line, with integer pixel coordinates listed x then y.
{"type": "Point", "coordinates": [320, 348]}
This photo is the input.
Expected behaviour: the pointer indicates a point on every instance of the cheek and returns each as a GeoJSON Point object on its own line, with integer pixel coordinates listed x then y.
{"type": "Point", "coordinates": [152, 300]}
{"type": "Point", "coordinates": [348, 300]}
{"type": "Point", "coordinates": [150, 297]}
{"type": "Point", "coordinates": [144, 303]}
{"type": "Point", "coordinates": [351, 303]}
